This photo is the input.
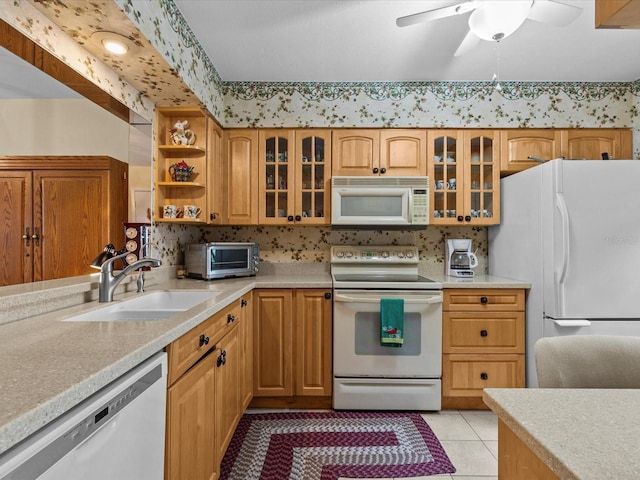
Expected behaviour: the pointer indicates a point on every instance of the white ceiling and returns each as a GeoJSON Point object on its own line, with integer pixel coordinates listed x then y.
{"type": "Point", "coordinates": [358, 40]}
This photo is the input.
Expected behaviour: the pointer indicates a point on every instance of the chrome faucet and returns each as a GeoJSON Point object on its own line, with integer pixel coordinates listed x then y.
{"type": "Point", "coordinates": [109, 281]}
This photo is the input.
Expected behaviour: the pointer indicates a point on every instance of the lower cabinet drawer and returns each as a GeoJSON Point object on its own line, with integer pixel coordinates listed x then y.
{"type": "Point", "coordinates": [467, 375]}
{"type": "Point", "coordinates": [483, 332]}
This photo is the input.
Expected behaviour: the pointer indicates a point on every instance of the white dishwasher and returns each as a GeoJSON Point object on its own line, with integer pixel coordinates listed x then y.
{"type": "Point", "coordinates": [117, 433]}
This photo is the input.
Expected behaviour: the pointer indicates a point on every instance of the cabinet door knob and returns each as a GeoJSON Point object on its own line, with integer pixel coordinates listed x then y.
{"type": "Point", "coordinates": [26, 236]}
{"type": "Point", "coordinates": [231, 318]}
{"type": "Point", "coordinates": [222, 359]}
{"type": "Point", "coordinates": [290, 218]}
{"type": "Point", "coordinates": [483, 333]}
{"type": "Point", "coordinates": [327, 296]}
{"type": "Point", "coordinates": [243, 303]}
{"type": "Point", "coordinates": [375, 170]}
{"type": "Point", "coordinates": [484, 376]}
{"type": "Point", "coordinates": [460, 218]}
{"type": "Point", "coordinates": [204, 340]}
{"type": "Point", "coordinates": [212, 216]}
{"type": "Point", "coordinates": [383, 170]}
{"type": "Point", "coordinates": [484, 300]}
{"type": "Point", "coordinates": [298, 218]}
{"type": "Point", "coordinates": [467, 218]}
{"type": "Point", "coordinates": [35, 236]}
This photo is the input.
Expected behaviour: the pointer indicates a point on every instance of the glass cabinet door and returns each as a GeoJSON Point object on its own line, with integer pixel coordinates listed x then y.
{"type": "Point", "coordinates": [445, 184]}
{"type": "Point", "coordinates": [275, 177]}
{"type": "Point", "coordinates": [482, 175]}
{"type": "Point", "coordinates": [312, 172]}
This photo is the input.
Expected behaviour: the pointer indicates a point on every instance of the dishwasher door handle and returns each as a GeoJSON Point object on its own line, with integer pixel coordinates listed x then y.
{"type": "Point", "coordinates": [421, 301]}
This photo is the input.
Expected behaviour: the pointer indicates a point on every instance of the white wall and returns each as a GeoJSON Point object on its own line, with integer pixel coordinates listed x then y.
{"type": "Point", "coordinates": [61, 127]}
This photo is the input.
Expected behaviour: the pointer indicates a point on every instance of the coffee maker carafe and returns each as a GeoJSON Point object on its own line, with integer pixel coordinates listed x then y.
{"type": "Point", "coordinates": [460, 259]}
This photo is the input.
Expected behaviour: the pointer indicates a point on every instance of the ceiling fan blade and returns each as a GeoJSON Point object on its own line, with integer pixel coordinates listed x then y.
{"type": "Point", "coordinates": [554, 13]}
{"type": "Point", "coordinates": [436, 14]}
{"type": "Point", "coordinates": [468, 43]}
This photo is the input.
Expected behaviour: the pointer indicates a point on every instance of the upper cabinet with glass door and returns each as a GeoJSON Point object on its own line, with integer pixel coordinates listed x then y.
{"type": "Point", "coordinates": [312, 173]}
{"type": "Point", "coordinates": [294, 170]}
{"type": "Point", "coordinates": [464, 172]}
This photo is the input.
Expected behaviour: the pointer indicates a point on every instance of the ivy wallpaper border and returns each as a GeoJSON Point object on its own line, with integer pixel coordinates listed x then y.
{"type": "Point", "coordinates": [461, 91]}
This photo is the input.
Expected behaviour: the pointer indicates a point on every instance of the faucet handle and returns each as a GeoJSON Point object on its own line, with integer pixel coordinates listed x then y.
{"type": "Point", "coordinates": [107, 266]}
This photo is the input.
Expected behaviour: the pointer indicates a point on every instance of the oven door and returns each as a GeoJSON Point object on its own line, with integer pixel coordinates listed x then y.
{"type": "Point", "coordinates": [357, 351]}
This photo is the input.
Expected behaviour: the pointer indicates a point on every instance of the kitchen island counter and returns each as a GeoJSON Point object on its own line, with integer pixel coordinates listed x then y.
{"type": "Point", "coordinates": [576, 434]}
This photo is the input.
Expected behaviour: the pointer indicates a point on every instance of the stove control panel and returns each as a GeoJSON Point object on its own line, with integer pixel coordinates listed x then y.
{"type": "Point", "coordinates": [377, 254]}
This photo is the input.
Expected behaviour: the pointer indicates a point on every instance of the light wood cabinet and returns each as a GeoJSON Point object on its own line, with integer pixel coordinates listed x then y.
{"type": "Point", "coordinates": [246, 355]}
{"type": "Point", "coordinates": [313, 340]}
{"type": "Point", "coordinates": [617, 14]}
{"type": "Point", "coordinates": [54, 205]}
{"type": "Point", "coordinates": [294, 172]}
{"type": "Point", "coordinates": [483, 344]}
{"type": "Point", "coordinates": [191, 425]}
{"type": "Point", "coordinates": [174, 187]}
{"type": "Point", "coordinates": [397, 152]}
{"type": "Point", "coordinates": [215, 174]}
{"type": "Point", "coordinates": [464, 171]}
{"type": "Point", "coordinates": [206, 392]}
{"type": "Point", "coordinates": [228, 408]}
{"type": "Point", "coordinates": [292, 347]}
{"type": "Point", "coordinates": [591, 143]}
{"type": "Point", "coordinates": [518, 146]}
{"type": "Point", "coordinates": [240, 189]}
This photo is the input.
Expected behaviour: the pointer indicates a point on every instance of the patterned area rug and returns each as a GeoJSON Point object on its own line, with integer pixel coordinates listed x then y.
{"type": "Point", "coordinates": [332, 445]}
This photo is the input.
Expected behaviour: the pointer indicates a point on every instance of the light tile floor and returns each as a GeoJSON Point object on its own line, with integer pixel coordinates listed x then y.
{"type": "Point", "coordinates": [470, 438]}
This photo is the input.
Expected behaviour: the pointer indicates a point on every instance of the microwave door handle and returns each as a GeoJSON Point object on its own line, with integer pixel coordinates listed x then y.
{"type": "Point", "coordinates": [422, 301]}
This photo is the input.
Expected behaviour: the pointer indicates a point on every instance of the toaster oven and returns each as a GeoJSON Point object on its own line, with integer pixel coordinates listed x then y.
{"type": "Point", "coordinates": [209, 261]}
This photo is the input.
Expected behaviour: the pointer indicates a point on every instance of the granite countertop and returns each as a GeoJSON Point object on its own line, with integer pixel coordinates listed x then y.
{"type": "Point", "coordinates": [581, 434]}
{"type": "Point", "coordinates": [48, 366]}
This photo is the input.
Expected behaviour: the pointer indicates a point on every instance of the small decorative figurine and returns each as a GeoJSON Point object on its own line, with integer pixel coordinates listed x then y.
{"type": "Point", "coordinates": [181, 135]}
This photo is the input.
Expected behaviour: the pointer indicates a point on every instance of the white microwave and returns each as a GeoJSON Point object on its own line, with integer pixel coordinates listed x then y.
{"type": "Point", "coordinates": [380, 201]}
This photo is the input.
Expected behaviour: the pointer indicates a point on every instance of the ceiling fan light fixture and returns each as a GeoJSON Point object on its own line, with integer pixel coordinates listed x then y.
{"type": "Point", "coordinates": [497, 19]}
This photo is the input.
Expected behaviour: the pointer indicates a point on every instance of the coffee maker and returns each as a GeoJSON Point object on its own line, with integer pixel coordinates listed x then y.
{"type": "Point", "coordinates": [460, 259]}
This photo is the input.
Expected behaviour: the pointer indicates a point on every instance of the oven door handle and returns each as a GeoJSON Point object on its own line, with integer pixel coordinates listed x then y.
{"type": "Point", "coordinates": [421, 301]}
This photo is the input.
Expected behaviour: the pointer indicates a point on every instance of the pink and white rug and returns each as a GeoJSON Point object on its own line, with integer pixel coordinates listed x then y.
{"type": "Point", "coordinates": [332, 445]}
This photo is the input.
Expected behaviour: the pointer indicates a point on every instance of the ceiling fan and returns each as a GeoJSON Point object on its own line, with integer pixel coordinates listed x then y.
{"type": "Point", "coordinates": [494, 20]}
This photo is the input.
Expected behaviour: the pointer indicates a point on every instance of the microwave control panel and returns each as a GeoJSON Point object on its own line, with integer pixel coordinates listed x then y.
{"type": "Point", "coordinates": [420, 210]}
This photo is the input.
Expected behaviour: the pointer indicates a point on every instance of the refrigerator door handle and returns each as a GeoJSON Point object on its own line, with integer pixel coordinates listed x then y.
{"type": "Point", "coordinates": [572, 323]}
{"type": "Point", "coordinates": [561, 274]}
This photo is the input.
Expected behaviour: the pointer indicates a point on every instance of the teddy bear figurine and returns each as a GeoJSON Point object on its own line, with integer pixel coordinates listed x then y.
{"type": "Point", "coordinates": [181, 135]}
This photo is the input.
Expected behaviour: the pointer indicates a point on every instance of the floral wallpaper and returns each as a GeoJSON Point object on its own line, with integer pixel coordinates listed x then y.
{"type": "Point", "coordinates": [380, 105]}
{"type": "Point", "coordinates": [289, 244]}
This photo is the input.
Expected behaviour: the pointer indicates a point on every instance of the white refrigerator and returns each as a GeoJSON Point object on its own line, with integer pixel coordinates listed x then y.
{"type": "Point", "coordinates": [572, 229]}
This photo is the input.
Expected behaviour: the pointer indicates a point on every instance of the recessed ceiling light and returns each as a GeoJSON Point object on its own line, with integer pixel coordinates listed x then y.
{"type": "Point", "coordinates": [112, 42]}
{"type": "Point", "coordinates": [115, 46]}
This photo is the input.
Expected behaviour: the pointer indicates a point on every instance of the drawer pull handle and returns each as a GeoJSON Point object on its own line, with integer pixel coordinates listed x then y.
{"type": "Point", "coordinates": [484, 300]}
{"type": "Point", "coordinates": [483, 333]}
{"type": "Point", "coordinates": [231, 318]}
{"type": "Point", "coordinates": [204, 340]}
{"type": "Point", "coordinates": [484, 376]}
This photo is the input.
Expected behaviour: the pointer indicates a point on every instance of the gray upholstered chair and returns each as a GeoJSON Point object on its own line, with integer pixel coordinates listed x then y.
{"type": "Point", "coordinates": [588, 361]}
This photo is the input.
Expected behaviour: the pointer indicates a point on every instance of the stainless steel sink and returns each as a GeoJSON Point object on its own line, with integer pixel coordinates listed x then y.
{"type": "Point", "coordinates": [150, 306]}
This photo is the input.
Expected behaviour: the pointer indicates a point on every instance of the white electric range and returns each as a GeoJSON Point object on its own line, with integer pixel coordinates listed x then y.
{"type": "Point", "coordinates": [368, 375]}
